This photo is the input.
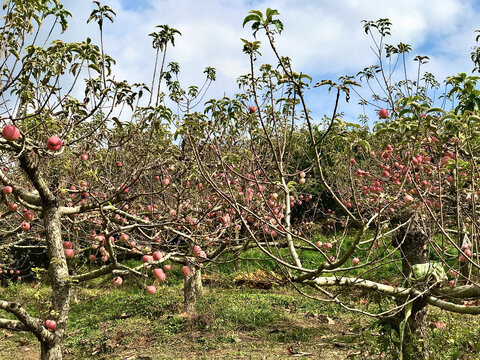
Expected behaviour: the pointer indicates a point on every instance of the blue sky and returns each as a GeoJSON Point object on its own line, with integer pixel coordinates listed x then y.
{"type": "Point", "coordinates": [324, 38]}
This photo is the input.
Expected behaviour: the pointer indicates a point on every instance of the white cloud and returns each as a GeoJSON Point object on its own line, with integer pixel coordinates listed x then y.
{"type": "Point", "coordinates": [324, 38]}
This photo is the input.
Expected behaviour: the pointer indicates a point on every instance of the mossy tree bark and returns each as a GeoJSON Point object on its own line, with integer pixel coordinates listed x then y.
{"type": "Point", "coordinates": [412, 240]}
{"type": "Point", "coordinates": [193, 288]}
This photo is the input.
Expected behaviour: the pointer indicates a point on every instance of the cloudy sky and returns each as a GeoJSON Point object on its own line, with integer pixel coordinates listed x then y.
{"type": "Point", "coordinates": [324, 38]}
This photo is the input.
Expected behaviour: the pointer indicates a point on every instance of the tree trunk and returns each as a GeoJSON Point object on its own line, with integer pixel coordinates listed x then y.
{"type": "Point", "coordinates": [192, 288]}
{"type": "Point", "coordinates": [51, 351]}
{"type": "Point", "coordinates": [61, 287]}
{"type": "Point", "coordinates": [412, 240]}
{"type": "Point", "coordinates": [58, 268]}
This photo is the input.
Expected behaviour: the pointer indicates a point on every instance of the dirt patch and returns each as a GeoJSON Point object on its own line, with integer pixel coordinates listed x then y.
{"type": "Point", "coordinates": [18, 346]}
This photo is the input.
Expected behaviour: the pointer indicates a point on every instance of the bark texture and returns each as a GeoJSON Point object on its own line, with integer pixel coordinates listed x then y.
{"type": "Point", "coordinates": [412, 241]}
{"type": "Point", "coordinates": [61, 287]}
{"type": "Point", "coordinates": [193, 288]}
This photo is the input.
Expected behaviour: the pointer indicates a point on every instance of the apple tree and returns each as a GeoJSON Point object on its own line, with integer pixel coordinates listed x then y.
{"type": "Point", "coordinates": [404, 192]}
{"type": "Point", "coordinates": [83, 179]}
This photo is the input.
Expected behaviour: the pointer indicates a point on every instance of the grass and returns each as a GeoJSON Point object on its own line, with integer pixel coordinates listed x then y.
{"type": "Point", "coordinates": [108, 323]}
{"type": "Point", "coordinates": [230, 322]}
{"type": "Point", "coordinates": [238, 323]}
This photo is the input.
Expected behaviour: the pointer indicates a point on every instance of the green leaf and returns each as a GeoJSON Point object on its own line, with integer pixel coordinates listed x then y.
{"type": "Point", "coordinates": [278, 24]}
{"type": "Point", "coordinates": [94, 67]}
{"type": "Point", "coordinates": [364, 144]}
{"type": "Point", "coordinates": [270, 12]}
{"type": "Point", "coordinates": [324, 82]}
{"type": "Point", "coordinates": [306, 76]}
{"type": "Point", "coordinates": [257, 12]}
{"type": "Point", "coordinates": [251, 17]}
{"type": "Point", "coordinates": [475, 118]}
{"type": "Point", "coordinates": [435, 109]}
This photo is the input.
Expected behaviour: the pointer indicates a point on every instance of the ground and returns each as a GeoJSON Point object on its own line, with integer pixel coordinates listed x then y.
{"type": "Point", "coordinates": [230, 323]}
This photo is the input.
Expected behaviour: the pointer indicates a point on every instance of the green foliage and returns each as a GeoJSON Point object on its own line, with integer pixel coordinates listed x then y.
{"type": "Point", "coordinates": [259, 21]}
{"type": "Point", "coordinates": [382, 25]}
{"type": "Point", "coordinates": [163, 37]}
{"type": "Point", "coordinates": [101, 13]}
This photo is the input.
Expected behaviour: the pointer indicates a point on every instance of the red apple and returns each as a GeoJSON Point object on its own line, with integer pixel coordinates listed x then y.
{"type": "Point", "coordinates": [185, 270]}
{"type": "Point", "coordinates": [67, 245]}
{"type": "Point", "coordinates": [12, 206]}
{"type": "Point", "coordinates": [117, 281]}
{"type": "Point", "coordinates": [151, 289]}
{"type": "Point", "coordinates": [328, 246]}
{"type": "Point", "coordinates": [7, 190]}
{"type": "Point", "coordinates": [92, 257]}
{"type": "Point", "coordinates": [355, 261]}
{"type": "Point", "coordinates": [301, 181]}
{"type": "Point", "coordinates": [10, 133]}
{"type": "Point", "coordinates": [28, 215]}
{"type": "Point", "coordinates": [51, 325]}
{"type": "Point", "coordinates": [383, 113]}
{"type": "Point", "coordinates": [54, 143]}
{"type": "Point", "coordinates": [168, 267]}
{"type": "Point", "coordinates": [69, 253]}
{"type": "Point", "coordinates": [203, 255]}
{"type": "Point", "coordinates": [196, 249]}
{"type": "Point", "coordinates": [252, 109]}
{"type": "Point", "coordinates": [157, 255]}
{"type": "Point", "coordinates": [159, 274]}
{"type": "Point", "coordinates": [124, 237]}
{"type": "Point", "coordinates": [84, 157]}
{"type": "Point", "coordinates": [25, 225]}
{"type": "Point", "coordinates": [118, 164]}
{"type": "Point", "coordinates": [408, 199]}
{"type": "Point", "coordinates": [166, 181]}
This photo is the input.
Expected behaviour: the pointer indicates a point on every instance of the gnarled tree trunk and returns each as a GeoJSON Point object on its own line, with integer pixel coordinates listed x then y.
{"type": "Point", "coordinates": [52, 351]}
{"type": "Point", "coordinates": [61, 287]}
{"type": "Point", "coordinates": [412, 239]}
{"type": "Point", "coordinates": [193, 288]}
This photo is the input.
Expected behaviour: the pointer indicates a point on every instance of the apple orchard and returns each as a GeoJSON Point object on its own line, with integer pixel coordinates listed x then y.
{"type": "Point", "coordinates": [91, 193]}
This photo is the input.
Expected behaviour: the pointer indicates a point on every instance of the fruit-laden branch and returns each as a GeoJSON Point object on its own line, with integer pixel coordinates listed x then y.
{"type": "Point", "coordinates": [171, 256]}
{"type": "Point", "coordinates": [27, 196]}
{"type": "Point", "coordinates": [29, 323]}
{"type": "Point", "coordinates": [396, 291]}
{"type": "Point", "coordinates": [94, 274]}
{"type": "Point", "coordinates": [238, 209]}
